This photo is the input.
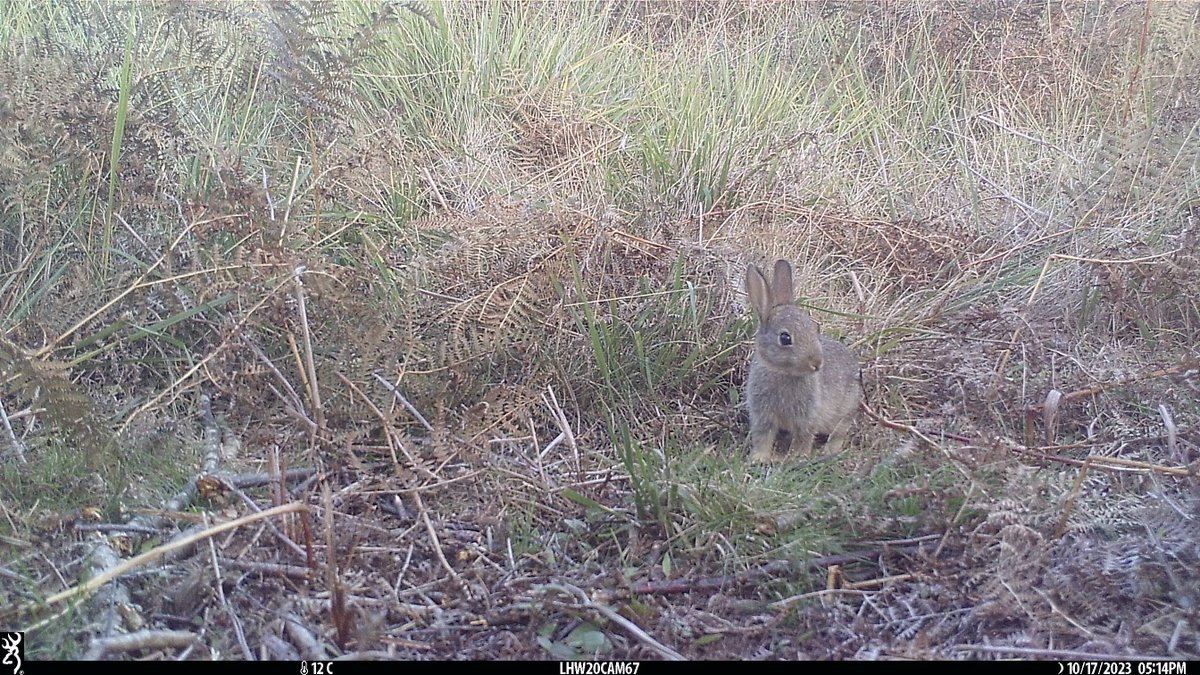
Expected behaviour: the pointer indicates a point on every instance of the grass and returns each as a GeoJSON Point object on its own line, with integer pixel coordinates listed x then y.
{"type": "Point", "coordinates": [535, 220]}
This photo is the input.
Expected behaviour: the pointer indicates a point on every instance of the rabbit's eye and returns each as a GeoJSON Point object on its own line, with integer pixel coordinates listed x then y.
{"type": "Point", "coordinates": [785, 338]}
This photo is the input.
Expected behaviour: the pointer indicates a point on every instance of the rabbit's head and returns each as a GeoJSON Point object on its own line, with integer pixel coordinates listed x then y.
{"type": "Point", "coordinates": [788, 339]}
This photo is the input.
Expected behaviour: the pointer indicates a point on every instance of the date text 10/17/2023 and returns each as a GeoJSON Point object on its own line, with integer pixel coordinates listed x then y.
{"type": "Point", "coordinates": [1122, 667]}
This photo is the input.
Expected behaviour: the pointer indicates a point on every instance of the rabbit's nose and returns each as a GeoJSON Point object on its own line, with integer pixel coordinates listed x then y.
{"type": "Point", "coordinates": [815, 363]}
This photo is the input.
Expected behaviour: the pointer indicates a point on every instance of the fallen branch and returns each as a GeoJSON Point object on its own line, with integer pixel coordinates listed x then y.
{"type": "Point", "coordinates": [1106, 463]}
{"type": "Point", "coordinates": [1183, 369]}
{"type": "Point", "coordinates": [1062, 654]}
{"type": "Point", "coordinates": [777, 568]}
{"type": "Point", "coordinates": [404, 402]}
{"type": "Point", "coordinates": [139, 642]}
{"type": "Point", "coordinates": [297, 572]}
{"type": "Point", "coordinates": [897, 426]}
{"type": "Point", "coordinates": [584, 602]}
{"type": "Point", "coordinates": [249, 480]}
{"type": "Point", "coordinates": [234, 620]}
{"type": "Point", "coordinates": [80, 592]}
{"type": "Point", "coordinates": [437, 545]}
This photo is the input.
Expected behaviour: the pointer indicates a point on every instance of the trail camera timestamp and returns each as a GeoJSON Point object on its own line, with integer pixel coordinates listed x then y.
{"type": "Point", "coordinates": [1123, 668]}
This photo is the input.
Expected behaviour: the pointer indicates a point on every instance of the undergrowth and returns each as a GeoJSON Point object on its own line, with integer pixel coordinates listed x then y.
{"type": "Point", "coordinates": [533, 221]}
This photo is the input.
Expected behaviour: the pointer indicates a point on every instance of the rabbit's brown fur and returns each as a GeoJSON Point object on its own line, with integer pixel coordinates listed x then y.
{"type": "Point", "coordinates": [800, 382]}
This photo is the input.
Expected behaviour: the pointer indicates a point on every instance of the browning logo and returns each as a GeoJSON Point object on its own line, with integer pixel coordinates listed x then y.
{"type": "Point", "coordinates": [12, 653]}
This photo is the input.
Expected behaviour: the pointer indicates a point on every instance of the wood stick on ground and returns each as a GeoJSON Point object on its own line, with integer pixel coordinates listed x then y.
{"type": "Point", "coordinates": [1106, 463]}
{"type": "Point", "coordinates": [1064, 654]}
{"type": "Point", "coordinates": [268, 569]}
{"type": "Point", "coordinates": [212, 458]}
{"type": "Point", "coordinates": [234, 619]}
{"type": "Point", "coordinates": [128, 528]}
{"type": "Point", "coordinates": [249, 480]}
{"type": "Point", "coordinates": [777, 568]}
{"type": "Point", "coordinates": [788, 603]}
{"type": "Point", "coordinates": [897, 426]}
{"type": "Point", "coordinates": [139, 642]}
{"type": "Point", "coordinates": [437, 545]}
{"type": "Point", "coordinates": [393, 443]}
{"type": "Point", "coordinates": [609, 613]}
{"type": "Point", "coordinates": [78, 593]}
{"type": "Point", "coordinates": [304, 638]}
{"type": "Point", "coordinates": [404, 402]}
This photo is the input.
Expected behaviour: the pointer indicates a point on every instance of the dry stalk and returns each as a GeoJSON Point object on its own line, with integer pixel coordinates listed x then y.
{"type": "Point", "coordinates": [404, 402]}
{"type": "Point", "coordinates": [18, 446]}
{"type": "Point", "coordinates": [234, 620]}
{"type": "Point", "coordinates": [437, 544]}
{"type": "Point", "coordinates": [584, 602]}
{"type": "Point", "coordinates": [898, 426]}
{"type": "Point", "coordinates": [270, 569]}
{"type": "Point", "coordinates": [823, 594]}
{"type": "Point", "coordinates": [310, 368]}
{"type": "Point", "coordinates": [202, 363]}
{"type": "Point", "coordinates": [564, 425]}
{"type": "Point", "coordinates": [139, 642]}
{"type": "Point", "coordinates": [287, 541]}
{"type": "Point", "coordinates": [1106, 463]}
{"type": "Point", "coordinates": [393, 442]}
{"type": "Point", "coordinates": [1172, 430]}
{"type": "Point", "coordinates": [292, 400]}
{"type": "Point", "coordinates": [80, 592]}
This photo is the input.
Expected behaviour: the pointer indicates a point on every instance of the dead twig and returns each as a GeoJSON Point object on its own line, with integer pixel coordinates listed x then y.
{"type": "Point", "coordinates": [139, 642]}
{"type": "Point", "coordinates": [292, 400]}
{"type": "Point", "coordinates": [287, 541]}
{"type": "Point", "coordinates": [268, 569]}
{"type": "Point", "coordinates": [776, 568]}
{"type": "Point", "coordinates": [129, 528]}
{"type": "Point", "coordinates": [393, 442]}
{"type": "Point", "coordinates": [310, 368]}
{"type": "Point", "coordinates": [1054, 653]}
{"type": "Point", "coordinates": [433, 537]}
{"type": "Point", "coordinates": [897, 426]}
{"type": "Point", "coordinates": [788, 603]}
{"type": "Point", "coordinates": [80, 592]}
{"type": "Point", "coordinates": [234, 619]}
{"type": "Point", "coordinates": [17, 445]}
{"type": "Point", "coordinates": [609, 613]}
{"type": "Point", "coordinates": [249, 480]}
{"type": "Point", "coordinates": [1102, 387]}
{"type": "Point", "coordinates": [1105, 463]}
{"type": "Point", "coordinates": [404, 402]}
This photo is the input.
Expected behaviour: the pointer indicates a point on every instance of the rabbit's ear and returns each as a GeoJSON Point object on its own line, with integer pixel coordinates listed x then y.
{"type": "Point", "coordinates": [781, 289]}
{"type": "Point", "coordinates": [759, 290]}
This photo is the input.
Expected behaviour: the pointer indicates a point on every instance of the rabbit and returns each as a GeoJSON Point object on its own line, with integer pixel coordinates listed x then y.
{"type": "Point", "coordinates": [800, 381]}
